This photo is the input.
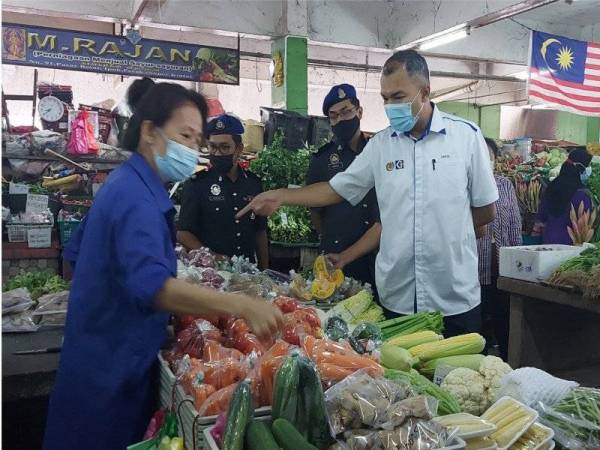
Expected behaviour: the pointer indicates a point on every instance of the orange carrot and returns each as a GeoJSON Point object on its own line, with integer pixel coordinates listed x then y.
{"type": "Point", "coordinates": [217, 402]}
{"type": "Point", "coordinates": [331, 372]}
{"type": "Point", "coordinates": [347, 361]}
{"type": "Point", "coordinates": [201, 393]}
{"type": "Point", "coordinates": [224, 373]}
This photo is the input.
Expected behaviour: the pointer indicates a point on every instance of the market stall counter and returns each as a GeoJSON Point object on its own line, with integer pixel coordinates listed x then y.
{"type": "Point", "coordinates": [27, 381]}
{"type": "Point", "coordinates": [26, 376]}
{"type": "Point", "coordinates": [553, 330]}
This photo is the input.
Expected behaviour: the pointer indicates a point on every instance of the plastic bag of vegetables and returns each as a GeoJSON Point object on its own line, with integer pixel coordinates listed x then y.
{"type": "Point", "coordinates": [575, 419]}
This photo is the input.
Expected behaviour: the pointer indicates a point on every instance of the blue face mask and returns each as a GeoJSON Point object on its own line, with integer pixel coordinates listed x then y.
{"type": "Point", "coordinates": [586, 174]}
{"type": "Point", "coordinates": [178, 163]}
{"type": "Point", "coordinates": [400, 115]}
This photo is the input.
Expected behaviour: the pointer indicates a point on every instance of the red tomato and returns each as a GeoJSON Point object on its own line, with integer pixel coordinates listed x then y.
{"type": "Point", "coordinates": [286, 304]}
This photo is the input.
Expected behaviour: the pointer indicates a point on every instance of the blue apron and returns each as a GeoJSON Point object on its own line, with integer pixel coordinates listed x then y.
{"type": "Point", "coordinates": [123, 253]}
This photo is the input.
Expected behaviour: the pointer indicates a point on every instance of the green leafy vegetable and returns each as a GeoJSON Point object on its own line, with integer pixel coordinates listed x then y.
{"type": "Point", "coordinates": [37, 282]}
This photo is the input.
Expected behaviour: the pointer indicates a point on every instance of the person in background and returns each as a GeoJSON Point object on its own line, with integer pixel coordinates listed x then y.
{"type": "Point", "coordinates": [565, 191]}
{"type": "Point", "coordinates": [349, 234]}
{"type": "Point", "coordinates": [123, 111]}
{"type": "Point", "coordinates": [136, 92]}
{"type": "Point", "coordinates": [211, 200]}
{"type": "Point", "coordinates": [435, 189]}
{"type": "Point", "coordinates": [124, 284]}
{"type": "Point", "coordinates": [504, 231]}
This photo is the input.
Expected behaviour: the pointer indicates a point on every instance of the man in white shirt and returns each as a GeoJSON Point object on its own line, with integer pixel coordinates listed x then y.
{"type": "Point", "coordinates": [435, 190]}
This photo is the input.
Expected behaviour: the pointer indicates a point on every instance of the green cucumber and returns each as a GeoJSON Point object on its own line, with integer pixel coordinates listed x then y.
{"type": "Point", "coordinates": [240, 413]}
{"type": "Point", "coordinates": [285, 391]}
{"type": "Point", "coordinates": [288, 437]}
{"type": "Point", "coordinates": [313, 400]}
{"type": "Point", "coordinates": [259, 436]}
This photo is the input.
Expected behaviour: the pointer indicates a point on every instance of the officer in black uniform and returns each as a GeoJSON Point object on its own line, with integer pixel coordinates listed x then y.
{"type": "Point", "coordinates": [350, 234]}
{"type": "Point", "coordinates": [211, 200]}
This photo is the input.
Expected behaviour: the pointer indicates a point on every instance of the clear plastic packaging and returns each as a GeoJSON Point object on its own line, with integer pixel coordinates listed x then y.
{"type": "Point", "coordinates": [575, 419]}
{"type": "Point", "coordinates": [16, 301]}
{"type": "Point", "coordinates": [511, 418]}
{"type": "Point", "coordinates": [366, 338]}
{"type": "Point", "coordinates": [18, 323]}
{"type": "Point", "coordinates": [361, 401]}
{"type": "Point", "coordinates": [467, 425]}
{"type": "Point", "coordinates": [52, 309]}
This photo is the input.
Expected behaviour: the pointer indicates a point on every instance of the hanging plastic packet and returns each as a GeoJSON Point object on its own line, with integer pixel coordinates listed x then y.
{"type": "Point", "coordinates": [336, 328]}
{"type": "Point", "coordinates": [366, 338]}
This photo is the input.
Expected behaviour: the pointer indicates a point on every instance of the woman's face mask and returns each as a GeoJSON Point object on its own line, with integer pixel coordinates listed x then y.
{"type": "Point", "coordinates": [178, 163]}
{"type": "Point", "coordinates": [586, 174]}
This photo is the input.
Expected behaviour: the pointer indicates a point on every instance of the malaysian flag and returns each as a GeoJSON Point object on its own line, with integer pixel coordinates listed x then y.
{"type": "Point", "coordinates": [565, 73]}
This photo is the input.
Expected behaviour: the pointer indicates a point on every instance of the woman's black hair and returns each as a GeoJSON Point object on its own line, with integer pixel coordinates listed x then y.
{"type": "Point", "coordinates": [136, 91]}
{"type": "Point", "coordinates": [492, 145]}
{"type": "Point", "coordinates": [562, 189]}
{"type": "Point", "coordinates": [157, 106]}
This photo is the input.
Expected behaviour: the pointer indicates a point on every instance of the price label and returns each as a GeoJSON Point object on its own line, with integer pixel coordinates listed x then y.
{"type": "Point", "coordinates": [15, 188]}
{"type": "Point", "coordinates": [36, 203]}
{"type": "Point", "coordinates": [39, 237]}
{"type": "Point", "coordinates": [441, 373]}
{"type": "Point", "coordinates": [284, 219]}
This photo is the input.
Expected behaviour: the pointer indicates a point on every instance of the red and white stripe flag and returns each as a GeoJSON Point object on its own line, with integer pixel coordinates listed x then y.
{"type": "Point", "coordinates": [565, 73]}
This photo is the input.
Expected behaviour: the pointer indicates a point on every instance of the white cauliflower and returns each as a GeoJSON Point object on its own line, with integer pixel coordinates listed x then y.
{"type": "Point", "coordinates": [493, 370]}
{"type": "Point", "coordinates": [467, 386]}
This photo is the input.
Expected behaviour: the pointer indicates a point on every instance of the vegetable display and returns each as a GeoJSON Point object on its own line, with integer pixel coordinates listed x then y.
{"type": "Point", "coordinates": [292, 225]}
{"type": "Point", "coordinates": [476, 389]}
{"type": "Point", "coordinates": [581, 229]}
{"type": "Point", "coordinates": [458, 345]}
{"type": "Point", "coordinates": [581, 273]}
{"type": "Point", "coordinates": [240, 412]}
{"type": "Point", "coordinates": [37, 283]}
{"type": "Point", "coordinates": [575, 419]}
{"type": "Point", "coordinates": [401, 326]}
{"type": "Point", "coordinates": [447, 404]}
{"type": "Point", "coordinates": [512, 420]}
{"type": "Point", "coordinates": [279, 167]}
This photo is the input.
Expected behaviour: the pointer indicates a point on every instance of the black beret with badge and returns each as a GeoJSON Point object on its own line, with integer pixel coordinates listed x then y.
{"type": "Point", "coordinates": [225, 124]}
{"type": "Point", "coordinates": [338, 94]}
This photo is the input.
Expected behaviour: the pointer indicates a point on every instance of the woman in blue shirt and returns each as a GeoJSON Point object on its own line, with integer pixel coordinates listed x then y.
{"type": "Point", "coordinates": [124, 283]}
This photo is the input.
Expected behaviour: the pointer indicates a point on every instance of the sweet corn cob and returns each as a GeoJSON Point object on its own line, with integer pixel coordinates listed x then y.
{"type": "Point", "coordinates": [411, 340]}
{"type": "Point", "coordinates": [465, 344]}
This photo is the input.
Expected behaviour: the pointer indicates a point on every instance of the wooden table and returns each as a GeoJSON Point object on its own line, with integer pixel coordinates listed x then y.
{"type": "Point", "coordinates": [553, 330]}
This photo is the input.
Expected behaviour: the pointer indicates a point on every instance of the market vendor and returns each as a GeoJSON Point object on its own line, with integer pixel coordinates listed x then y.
{"type": "Point", "coordinates": [124, 283]}
{"type": "Point", "coordinates": [211, 200]}
{"type": "Point", "coordinates": [349, 234]}
{"type": "Point", "coordinates": [566, 191]}
{"type": "Point", "coordinates": [435, 189]}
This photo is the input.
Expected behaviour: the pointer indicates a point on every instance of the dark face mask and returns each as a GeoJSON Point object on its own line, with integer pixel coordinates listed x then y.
{"type": "Point", "coordinates": [222, 164]}
{"type": "Point", "coordinates": [345, 130]}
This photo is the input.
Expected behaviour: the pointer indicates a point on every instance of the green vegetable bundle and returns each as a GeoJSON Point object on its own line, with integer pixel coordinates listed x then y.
{"type": "Point", "coordinates": [447, 403]}
{"type": "Point", "coordinates": [433, 321]}
{"type": "Point", "coordinates": [581, 272]}
{"type": "Point", "coordinates": [278, 167]}
{"type": "Point", "coordinates": [575, 419]}
{"type": "Point", "coordinates": [37, 282]}
{"type": "Point", "coordinates": [291, 224]}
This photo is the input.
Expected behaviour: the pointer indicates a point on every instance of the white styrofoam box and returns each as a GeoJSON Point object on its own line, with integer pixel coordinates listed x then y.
{"type": "Point", "coordinates": [534, 262]}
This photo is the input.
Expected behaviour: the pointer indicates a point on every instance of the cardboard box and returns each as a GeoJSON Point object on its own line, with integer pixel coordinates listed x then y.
{"type": "Point", "coordinates": [534, 263]}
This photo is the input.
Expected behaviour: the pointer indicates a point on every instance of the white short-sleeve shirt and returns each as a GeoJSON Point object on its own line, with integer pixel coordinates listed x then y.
{"type": "Point", "coordinates": [427, 258]}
